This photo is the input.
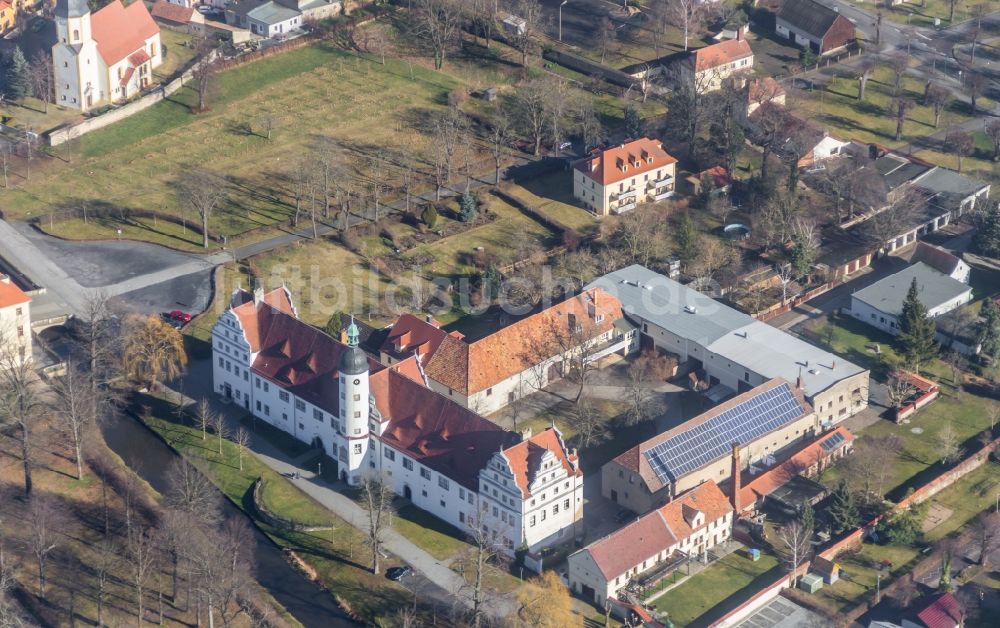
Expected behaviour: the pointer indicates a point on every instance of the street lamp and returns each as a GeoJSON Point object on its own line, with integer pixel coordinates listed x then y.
{"type": "Point", "coordinates": [878, 587]}
{"type": "Point", "coordinates": [560, 18]}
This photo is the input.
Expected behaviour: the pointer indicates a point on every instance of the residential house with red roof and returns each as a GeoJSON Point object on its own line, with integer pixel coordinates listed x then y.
{"type": "Point", "coordinates": [614, 180]}
{"type": "Point", "coordinates": [385, 420]}
{"type": "Point", "coordinates": [706, 69]}
{"type": "Point", "coordinates": [15, 322]}
{"type": "Point", "coordinates": [646, 549]}
{"type": "Point", "coordinates": [517, 360]}
{"type": "Point", "coordinates": [105, 57]}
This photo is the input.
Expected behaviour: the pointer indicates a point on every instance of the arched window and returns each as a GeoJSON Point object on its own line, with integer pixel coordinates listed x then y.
{"type": "Point", "coordinates": [76, 34]}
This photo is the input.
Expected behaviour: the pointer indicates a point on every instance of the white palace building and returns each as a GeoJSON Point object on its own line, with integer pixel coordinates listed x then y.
{"type": "Point", "coordinates": [387, 422]}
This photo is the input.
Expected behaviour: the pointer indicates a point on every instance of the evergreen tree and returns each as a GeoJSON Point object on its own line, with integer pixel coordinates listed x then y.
{"type": "Point", "coordinates": [429, 216]}
{"type": "Point", "coordinates": [904, 527]}
{"type": "Point", "coordinates": [16, 79]}
{"type": "Point", "coordinates": [915, 340]}
{"type": "Point", "coordinates": [705, 189]}
{"type": "Point", "coordinates": [803, 254]}
{"type": "Point", "coordinates": [686, 239]}
{"type": "Point", "coordinates": [469, 208]}
{"type": "Point", "coordinates": [633, 122]}
{"type": "Point", "coordinates": [843, 510]}
{"type": "Point", "coordinates": [334, 325]}
{"type": "Point", "coordinates": [989, 328]}
{"type": "Point", "coordinates": [987, 238]}
{"type": "Point", "coordinates": [807, 518]}
{"type": "Point", "coordinates": [492, 282]}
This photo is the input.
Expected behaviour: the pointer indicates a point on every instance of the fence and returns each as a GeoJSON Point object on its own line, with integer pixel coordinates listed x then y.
{"type": "Point", "coordinates": [786, 306]}
{"type": "Point", "coordinates": [65, 134]}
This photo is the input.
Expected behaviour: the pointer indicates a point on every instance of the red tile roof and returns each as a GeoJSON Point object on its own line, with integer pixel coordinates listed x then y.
{"type": "Point", "coordinates": [719, 175]}
{"type": "Point", "coordinates": [942, 612]}
{"type": "Point", "coordinates": [605, 166]}
{"type": "Point", "coordinates": [525, 457]}
{"type": "Point", "coordinates": [722, 53]}
{"type": "Point", "coordinates": [436, 431]}
{"type": "Point", "coordinates": [427, 426]}
{"type": "Point", "coordinates": [415, 335]}
{"type": "Point", "coordinates": [935, 257]}
{"type": "Point", "coordinates": [764, 90]}
{"type": "Point", "coordinates": [473, 367]}
{"type": "Point", "coordinates": [10, 294]}
{"type": "Point", "coordinates": [765, 483]}
{"type": "Point", "coordinates": [120, 31]}
{"type": "Point", "coordinates": [170, 12]}
{"type": "Point", "coordinates": [657, 531]}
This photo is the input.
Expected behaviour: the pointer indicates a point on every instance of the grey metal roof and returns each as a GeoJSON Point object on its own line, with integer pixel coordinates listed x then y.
{"type": "Point", "coordinates": [272, 13]}
{"type": "Point", "coordinates": [808, 16]}
{"type": "Point", "coordinates": [729, 334]}
{"type": "Point", "coordinates": [759, 413]}
{"type": "Point", "coordinates": [887, 295]}
{"type": "Point", "coordinates": [948, 182]}
{"type": "Point", "coordinates": [678, 309]}
{"type": "Point", "coordinates": [72, 8]}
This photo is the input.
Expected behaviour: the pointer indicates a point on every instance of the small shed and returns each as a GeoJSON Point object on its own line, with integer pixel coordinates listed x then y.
{"type": "Point", "coordinates": [810, 583]}
{"type": "Point", "coordinates": [490, 94]}
{"type": "Point", "coordinates": [828, 570]}
{"type": "Point", "coordinates": [515, 25]}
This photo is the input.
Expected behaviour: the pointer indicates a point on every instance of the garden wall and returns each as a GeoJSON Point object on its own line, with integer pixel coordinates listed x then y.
{"type": "Point", "coordinates": [758, 601]}
{"type": "Point", "coordinates": [65, 134]}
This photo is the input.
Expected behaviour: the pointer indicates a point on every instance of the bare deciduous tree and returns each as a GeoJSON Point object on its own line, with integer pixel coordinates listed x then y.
{"type": "Point", "coordinates": [220, 428]}
{"type": "Point", "coordinates": [586, 419]}
{"type": "Point", "coordinates": [438, 22]}
{"type": "Point", "coordinates": [937, 97]}
{"type": "Point", "coordinates": [41, 75]}
{"type": "Point", "coordinates": [528, 111]}
{"type": "Point", "coordinates": [204, 71]}
{"type": "Point", "coordinates": [686, 15]}
{"type": "Point", "coordinates": [962, 145]}
{"type": "Point", "coordinates": [523, 38]}
{"type": "Point", "coordinates": [486, 546]}
{"type": "Point", "coordinates": [204, 193]}
{"type": "Point", "coordinates": [142, 551]}
{"type": "Point", "coordinates": [20, 401]}
{"type": "Point", "coordinates": [986, 535]}
{"type": "Point", "coordinates": [794, 545]}
{"type": "Point", "coordinates": [73, 409]}
{"type": "Point", "coordinates": [46, 522]}
{"type": "Point", "coordinates": [948, 444]}
{"type": "Point", "coordinates": [500, 139]}
{"type": "Point", "coordinates": [242, 440]}
{"type": "Point", "coordinates": [376, 499]}
{"type": "Point", "coordinates": [191, 493]}
{"type": "Point", "coordinates": [203, 416]}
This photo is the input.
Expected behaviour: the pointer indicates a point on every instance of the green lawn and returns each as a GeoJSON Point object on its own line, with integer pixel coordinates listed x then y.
{"type": "Point", "coordinates": [922, 13]}
{"type": "Point", "coordinates": [552, 196]}
{"type": "Point", "coordinates": [432, 535]}
{"type": "Point", "coordinates": [710, 588]}
{"type": "Point", "coordinates": [338, 555]}
{"type": "Point", "coordinates": [838, 109]}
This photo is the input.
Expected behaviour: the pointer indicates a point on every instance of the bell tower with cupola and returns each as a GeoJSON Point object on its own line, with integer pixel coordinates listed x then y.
{"type": "Point", "coordinates": [354, 408]}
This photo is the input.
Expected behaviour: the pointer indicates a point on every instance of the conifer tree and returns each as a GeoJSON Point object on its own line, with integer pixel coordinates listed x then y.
{"type": "Point", "coordinates": [915, 340]}
{"type": "Point", "coordinates": [989, 328]}
{"type": "Point", "coordinates": [843, 511]}
{"type": "Point", "coordinates": [686, 239]}
{"type": "Point", "coordinates": [987, 238]}
{"type": "Point", "coordinates": [16, 77]}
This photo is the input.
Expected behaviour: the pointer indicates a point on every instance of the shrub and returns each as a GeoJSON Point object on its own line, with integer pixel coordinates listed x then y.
{"type": "Point", "coordinates": [469, 208]}
{"type": "Point", "coordinates": [429, 216]}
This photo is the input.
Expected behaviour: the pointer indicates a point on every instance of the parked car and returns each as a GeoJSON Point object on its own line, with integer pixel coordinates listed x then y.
{"type": "Point", "coordinates": [180, 317]}
{"type": "Point", "coordinates": [398, 573]}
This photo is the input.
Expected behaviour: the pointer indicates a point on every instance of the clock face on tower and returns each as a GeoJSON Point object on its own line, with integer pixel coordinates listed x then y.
{"type": "Point", "coordinates": [357, 381]}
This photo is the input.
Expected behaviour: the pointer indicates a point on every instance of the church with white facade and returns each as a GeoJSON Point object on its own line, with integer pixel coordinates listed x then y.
{"type": "Point", "coordinates": [386, 422]}
{"type": "Point", "coordinates": [105, 57]}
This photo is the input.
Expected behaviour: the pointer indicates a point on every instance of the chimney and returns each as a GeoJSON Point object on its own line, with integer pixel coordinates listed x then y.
{"type": "Point", "coordinates": [258, 296]}
{"type": "Point", "coordinates": [735, 497]}
{"type": "Point", "coordinates": [429, 318]}
{"type": "Point", "coordinates": [798, 380]}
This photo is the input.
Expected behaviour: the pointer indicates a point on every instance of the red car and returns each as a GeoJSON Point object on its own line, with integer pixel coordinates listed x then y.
{"type": "Point", "coordinates": [180, 317]}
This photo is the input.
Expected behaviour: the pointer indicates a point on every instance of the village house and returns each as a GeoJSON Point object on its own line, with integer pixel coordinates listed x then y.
{"type": "Point", "coordinates": [706, 69]}
{"type": "Point", "coordinates": [941, 261]}
{"type": "Point", "coordinates": [178, 17]}
{"type": "Point", "coordinates": [373, 420]}
{"type": "Point", "coordinates": [763, 424]}
{"type": "Point", "coordinates": [762, 91]}
{"type": "Point", "coordinates": [614, 180]}
{"type": "Point", "coordinates": [809, 23]}
{"type": "Point", "coordinates": [881, 303]}
{"type": "Point", "coordinates": [276, 18]}
{"type": "Point", "coordinates": [729, 351]}
{"type": "Point", "coordinates": [651, 546]}
{"type": "Point", "coordinates": [517, 360]}
{"type": "Point", "coordinates": [8, 16]}
{"type": "Point", "coordinates": [105, 57]}
{"type": "Point", "coordinates": [15, 322]}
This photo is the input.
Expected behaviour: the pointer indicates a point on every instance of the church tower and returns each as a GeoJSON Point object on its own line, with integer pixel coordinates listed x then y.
{"type": "Point", "coordinates": [75, 61]}
{"type": "Point", "coordinates": [354, 408]}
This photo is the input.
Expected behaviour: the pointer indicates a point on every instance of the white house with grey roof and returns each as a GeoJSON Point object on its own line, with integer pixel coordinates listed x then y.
{"type": "Point", "coordinates": [881, 303]}
{"type": "Point", "coordinates": [732, 348]}
{"type": "Point", "coordinates": [275, 18]}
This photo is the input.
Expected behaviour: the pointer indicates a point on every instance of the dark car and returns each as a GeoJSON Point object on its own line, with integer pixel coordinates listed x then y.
{"type": "Point", "coordinates": [398, 573]}
{"type": "Point", "coordinates": [624, 515]}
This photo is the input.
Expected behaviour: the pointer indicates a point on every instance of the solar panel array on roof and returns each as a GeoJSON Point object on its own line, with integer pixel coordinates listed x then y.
{"type": "Point", "coordinates": [834, 441]}
{"type": "Point", "coordinates": [708, 441]}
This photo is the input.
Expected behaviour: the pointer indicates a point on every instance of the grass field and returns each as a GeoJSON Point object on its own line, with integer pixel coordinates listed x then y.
{"type": "Point", "coordinates": [311, 92]}
{"type": "Point", "coordinates": [705, 590]}
{"type": "Point", "coordinates": [922, 13]}
{"type": "Point", "coordinates": [337, 555]}
{"type": "Point", "coordinates": [838, 109]}
{"type": "Point", "coordinates": [552, 196]}
{"type": "Point", "coordinates": [432, 535]}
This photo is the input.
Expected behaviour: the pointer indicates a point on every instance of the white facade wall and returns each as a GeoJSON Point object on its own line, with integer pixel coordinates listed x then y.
{"type": "Point", "coordinates": [15, 332]}
{"type": "Point", "coordinates": [76, 64]}
{"type": "Point", "coordinates": [827, 147]}
{"type": "Point", "coordinates": [888, 323]}
{"type": "Point", "coordinates": [273, 30]}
